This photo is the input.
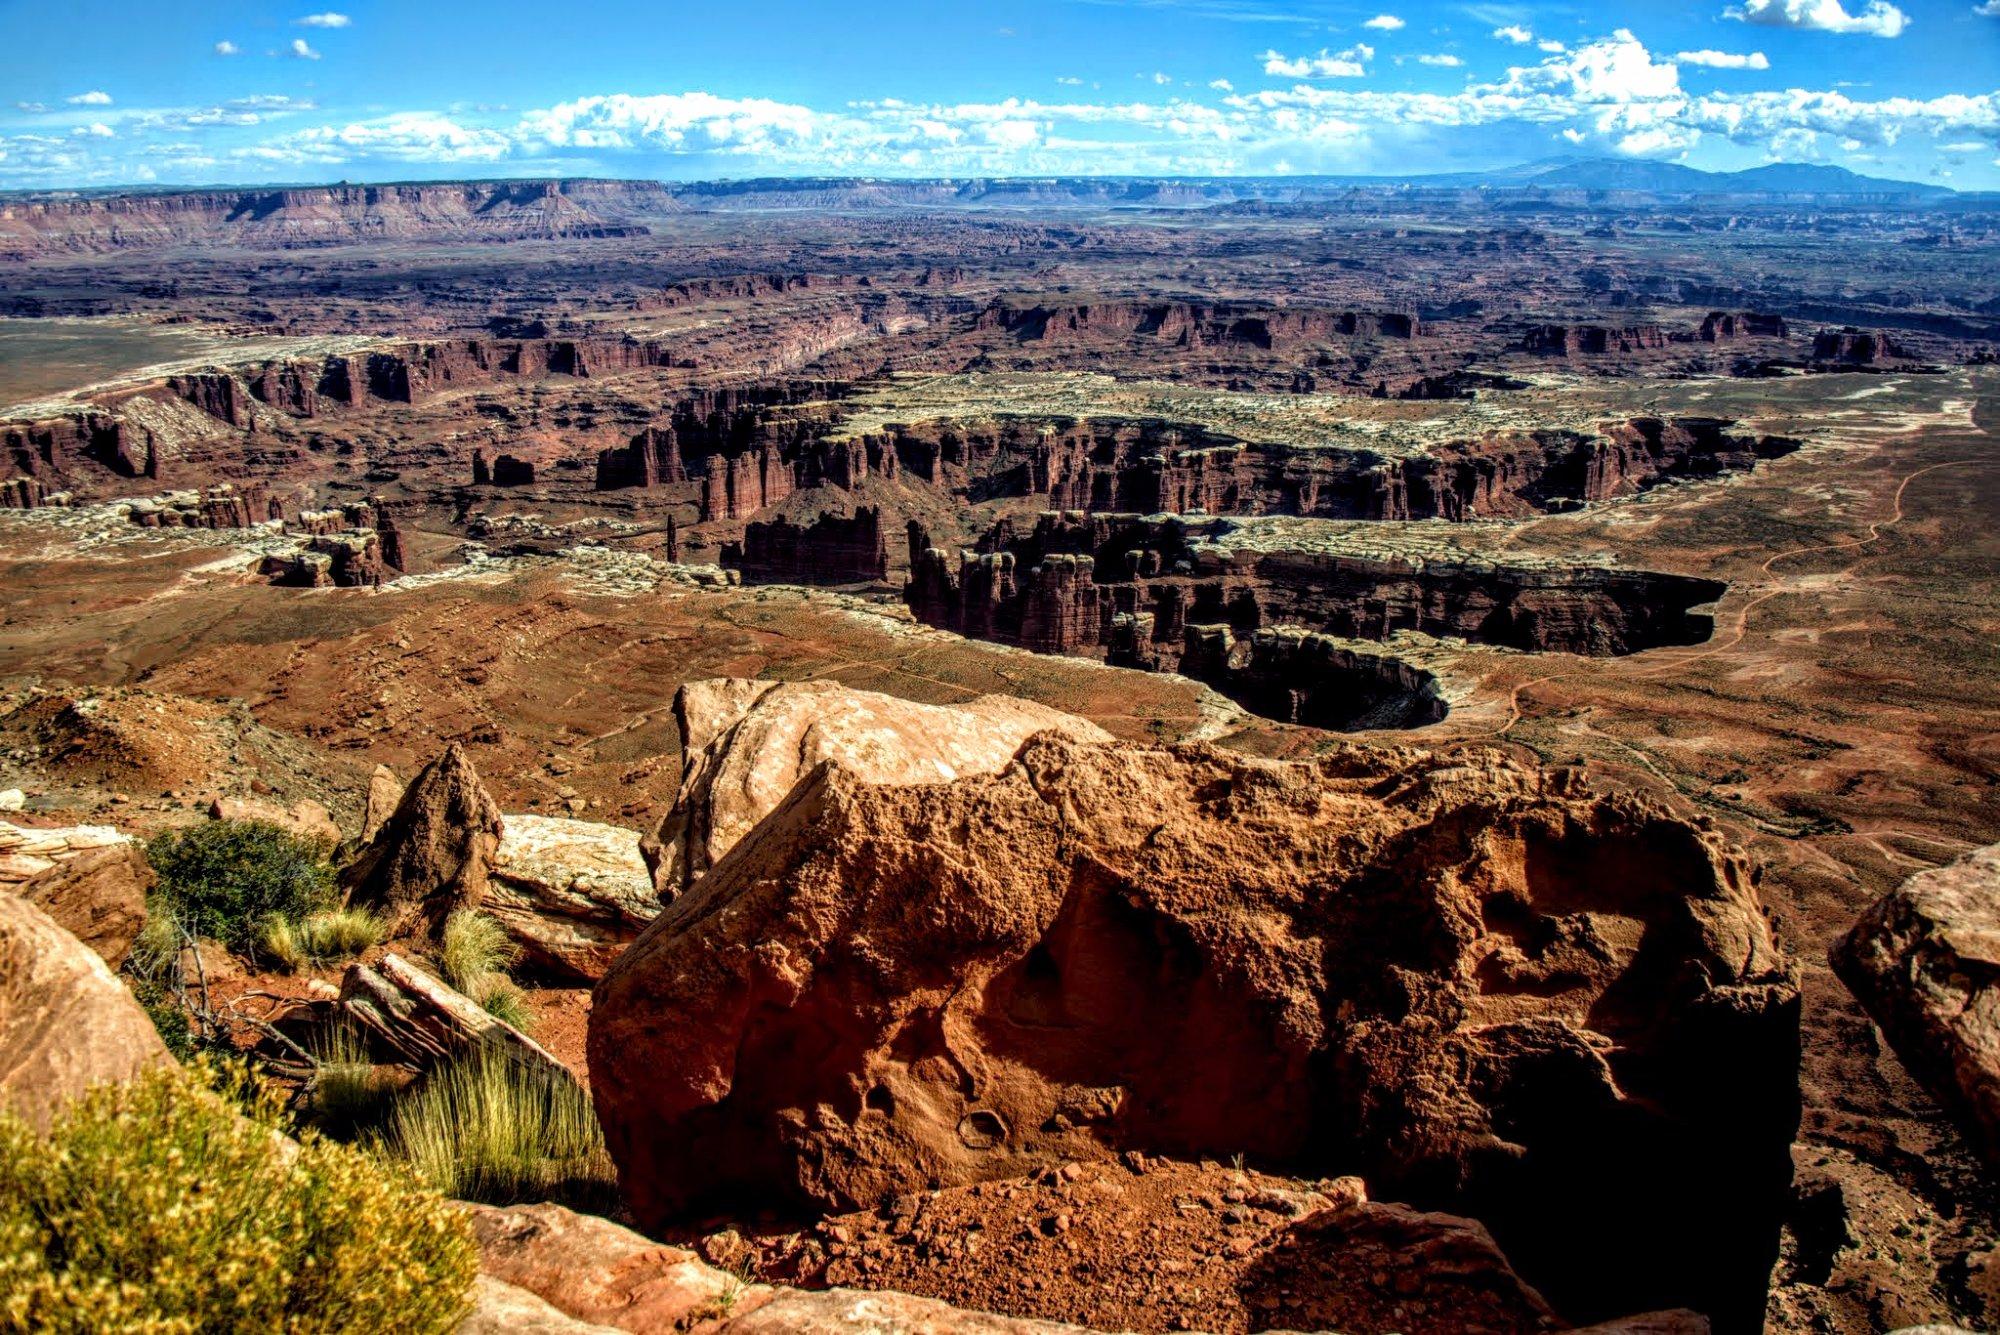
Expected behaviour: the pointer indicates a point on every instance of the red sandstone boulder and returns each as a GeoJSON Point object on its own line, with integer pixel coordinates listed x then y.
{"type": "Point", "coordinates": [1474, 983]}
{"type": "Point", "coordinates": [1925, 964]}
{"type": "Point", "coordinates": [65, 1022]}
{"type": "Point", "coordinates": [746, 743]}
{"type": "Point", "coordinates": [572, 893]}
{"type": "Point", "coordinates": [305, 819]}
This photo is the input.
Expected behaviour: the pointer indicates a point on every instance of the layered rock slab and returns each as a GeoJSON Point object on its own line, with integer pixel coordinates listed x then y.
{"type": "Point", "coordinates": [572, 893]}
{"type": "Point", "coordinates": [747, 743]}
{"type": "Point", "coordinates": [1924, 962]}
{"type": "Point", "coordinates": [1473, 983]}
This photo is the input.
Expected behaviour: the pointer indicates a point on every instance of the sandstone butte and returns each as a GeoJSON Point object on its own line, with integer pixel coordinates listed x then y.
{"type": "Point", "coordinates": [745, 744]}
{"type": "Point", "coordinates": [1473, 983]}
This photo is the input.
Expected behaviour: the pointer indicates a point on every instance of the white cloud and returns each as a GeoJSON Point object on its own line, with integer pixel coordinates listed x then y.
{"type": "Point", "coordinates": [1514, 33]}
{"type": "Point", "coordinates": [1449, 62]}
{"type": "Point", "coordinates": [95, 130]}
{"type": "Point", "coordinates": [1384, 23]}
{"type": "Point", "coordinates": [302, 51]}
{"type": "Point", "coordinates": [1069, 79]}
{"type": "Point", "coordinates": [1878, 19]}
{"type": "Point", "coordinates": [326, 20]}
{"type": "Point", "coordinates": [90, 99]}
{"type": "Point", "coordinates": [227, 48]}
{"type": "Point", "coordinates": [412, 136]}
{"type": "Point", "coordinates": [1224, 86]}
{"type": "Point", "coordinates": [1348, 64]}
{"type": "Point", "coordinates": [1162, 78]}
{"type": "Point", "coordinates": [1725, 60]}
{"type": "Point", "coordinates": [31, 107]}
{"type": "Point", "coordinates": [1616, 69]}
{"type": "Point", "coordinates": [1989, 9]}
{"type": "Point", "coordinates": [1550, 46]}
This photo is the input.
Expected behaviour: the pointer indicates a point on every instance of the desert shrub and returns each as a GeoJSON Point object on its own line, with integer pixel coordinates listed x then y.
{"type": "Point", "coordinates": [159, 1207]}
{"type": "Point", "coordinates": [474, 947]}
{"type": "Point", "coordinates": [490, 1128]}
{"type": "Point", "coordinates": [222, 878]}
{"type": "Point", "coordinates": [340, 934]}
{"type": "Point", "coordinates": [151, 970]}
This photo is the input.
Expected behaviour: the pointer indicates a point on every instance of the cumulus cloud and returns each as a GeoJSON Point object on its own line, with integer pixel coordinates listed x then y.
{"type": "Point", "coordinates": [1514, 33]}
{"type": "Point", "coordinates": [92, 98]}
{"type": "Point", "coordinates": [1224, 86]}
{"type": "Point", "coordinates": [1550, 46]}
{"type": "Point", "coordinates": [1725, 60]}
{"type": "Point", "coordinates": [1384, 23]}
{"type": "Point", "coordinates": [1610, 94]}
{"type": "Point", "coordinates": [227, 48]}
{"type": "Point", "coordinates": [1878, 19]}
{"type": "Point", "coordinates": [1349, 64]}
{"type": "Point", "coordinates": [31, 107]}
{"type": "Point", "coordinates": [326, 20]}
{"type": "Point", "coordinates": [1990, 9]}
{"type": "Point", "coordinates": [1162, 78]}
{"type": "Point", "coordinates": [302, 51]}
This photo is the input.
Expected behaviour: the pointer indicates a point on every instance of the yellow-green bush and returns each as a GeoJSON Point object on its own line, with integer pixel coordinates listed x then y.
{"type": "Point", "coordinates": [159, 1207]}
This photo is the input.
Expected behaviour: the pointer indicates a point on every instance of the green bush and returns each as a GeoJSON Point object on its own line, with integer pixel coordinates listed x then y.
{"type": "Point", "coordinates": [224, 878]}
{"type": "Point", "coordinates": [159, 1207]}
{"type": "Point", "coordinates": [489, 1128]}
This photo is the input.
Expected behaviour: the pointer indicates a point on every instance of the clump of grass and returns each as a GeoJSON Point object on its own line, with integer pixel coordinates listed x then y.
{"type": "Point", "coordinates": [475, 953]}
{"type": "Point", "coordinates": [473, 947]}
{"type": "Point", "coordinates": [158, 1206]}
{"type": "Point", "coordinates": [348, 1093]}
{"type": "Point", "coordinates": [504, 1000]}
{"type": "Point", "coordinates": [489, 1128]}
{"type": "Point", "coordinates": [153, 970]}
{"type": "Point", "coordinates": [223, 879]}
{"type": "Point", "coordinates": [341, 933]}
{"type": "Point", "coordinates": [277, 942]}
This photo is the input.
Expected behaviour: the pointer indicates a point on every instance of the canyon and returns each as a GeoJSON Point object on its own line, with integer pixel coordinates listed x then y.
{"type": "Point", "coordinates": [1142, 754]}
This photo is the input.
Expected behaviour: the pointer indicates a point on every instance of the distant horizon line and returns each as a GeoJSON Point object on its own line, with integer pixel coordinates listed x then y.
{"type": "Point", "coordinates": [1467, 175]}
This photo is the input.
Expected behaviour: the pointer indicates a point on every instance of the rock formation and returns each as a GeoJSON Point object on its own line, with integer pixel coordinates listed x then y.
{"type": "Point", "coordinates": [599, 1273]}
{"type": "Point", "coordinates": [745, 744]}
{"type": "Point", "coordinates": [1478, 986]}
{"type": "Point", "coordinates": [433, 855]}
{"type": "Point", "coordinates": [425, 1022]}
{"type": "Point", "coordinates": [65, 1022]}
{"type": "Point", "coordinates": [97, 896]}
{"type": "Point", "coordinates": [1925, 963]}
{"type": "Point", "coordinates": [305, 819]}
{"type": "Point", "coordinates": [833, 549]}
{"type": "Point", "coordinates": [572, 893]}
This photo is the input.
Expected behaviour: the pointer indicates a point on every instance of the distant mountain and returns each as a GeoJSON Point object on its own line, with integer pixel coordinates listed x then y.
{"type": "Point", "coordinates": [1672, 178]}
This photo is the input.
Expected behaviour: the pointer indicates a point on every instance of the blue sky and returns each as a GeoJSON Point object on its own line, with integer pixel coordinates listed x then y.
{"type": "Point", "coordinates": [102, 92]}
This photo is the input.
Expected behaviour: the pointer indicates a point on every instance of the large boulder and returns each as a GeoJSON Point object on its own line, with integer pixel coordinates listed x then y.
{"type": "Point", "coordinates": [744, 744]}
{"type": "Point", "coordinates": [1925, 963]}
{"type": "Point", "coordinates": [98, 896]}
{"type": "Point", "coordinates": [433, 855]}
{"type": "Point", "coordinates": [65, 1022]}
{"type": "Point", "coordinates": [572, 893]}
{"type": "Point", "coordinates": [1474, 983]}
